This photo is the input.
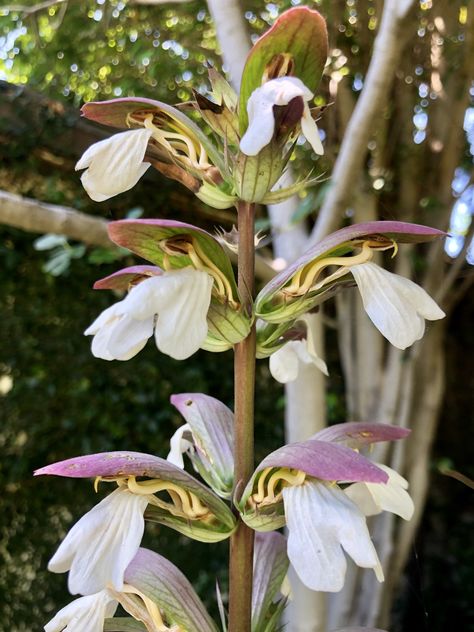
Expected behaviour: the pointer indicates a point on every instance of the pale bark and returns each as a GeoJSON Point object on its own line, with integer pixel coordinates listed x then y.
{"type": "Point", "coordinates": [388, 48]}
{"type": "Point", "coordinates": [232, 36]}
{"type": "Point", "coordinates": [39, 217]}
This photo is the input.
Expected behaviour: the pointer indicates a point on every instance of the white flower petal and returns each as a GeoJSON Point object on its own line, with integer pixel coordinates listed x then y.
{"type": "Point", "coordinates": [115, 164]}
{"type": "Point", "coordinates": [395, 305]}
{"type": "Point", "coordinates": [182, 300]}
{"type": "Point", "coordinates": [260, 111]}
{"type": "Point", "coordinates": [373, 498]}
{"type": "Point", "coordinates": [284, 363]}
{"type": "Point", "coordinates": [179, 445]}
{"type": "Point", "coordinates": [128, 337]}
{"type": "Point", "coordinates": [321, 521]}
{"type": "Point", "coordinates": [311, 132]}
{"type": "Point", "coordinates": [100, 546]}
{"type": "Point", "coordinates": [86, 614]}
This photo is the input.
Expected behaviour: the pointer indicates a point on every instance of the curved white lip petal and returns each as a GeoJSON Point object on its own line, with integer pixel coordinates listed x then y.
{"type": "Point", "coordinates": [115, 164]}
{"type": "Point", "coordinates": [182, 302]}
{"type": "Point", "coordinates": [373, 498]}
{"type": "Point", "coordinates": [179, 445]}
{"type": "Point", "coordinates": [86, 614]}
{"type": "Point", "coordinates": [100, 546]}
{"type": "Point", "coordinates": [397, 306]}
{"type": "Point", "coordinates": [321, 522]}
{"type": "Point", "coordinates": [284, 363]}
{"type": "Point", "coordinates": [260, 111]}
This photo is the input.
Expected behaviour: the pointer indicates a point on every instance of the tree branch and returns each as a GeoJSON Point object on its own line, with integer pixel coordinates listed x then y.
{"type": "Point", "coordinates": [388, 47]}
{"type": "Point", "coordinates": [39, 217]}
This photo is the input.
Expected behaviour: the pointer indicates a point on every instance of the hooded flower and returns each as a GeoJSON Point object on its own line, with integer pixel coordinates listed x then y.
{"type": "Point", "coordinates": [173, 304]}
{"type": "Point", "coordinates": [297, 485]}
{"type": "Point", "coordinates": [397, 306]}
{"type": "Point", "coordinates": [284, 363]}
{"type": "Point", "coordinates": [261, 128]}
{"type": "Point", "coordinates": [86, 614]}
{"type": "Point", "coordinates": [100, 546]}
{"type": "Point", "coordinates": [114, 165]}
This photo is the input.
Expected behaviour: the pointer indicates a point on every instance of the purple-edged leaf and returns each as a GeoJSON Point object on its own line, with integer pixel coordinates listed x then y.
{"type": "Point", "coordinates": [143, 236]}
{"type": "Point", "coordinates": [114, 113]}
{"type": "Point", "coordinates": [299, 32]}
{"type": "Point", "coordinates": [163, 583]}
{"type": "Point", "coordinates": [114, 464]}
{"type": "Point", "coordinates": [270, 564]}
{"type": "Point", "coordinates": [340, 243]}
{"type": "Point", "coordinates": [356, 434]}
{"type": "Point", "coordinates": [127, 277]}
{"type": "Point", "coordinates": [212, 426]}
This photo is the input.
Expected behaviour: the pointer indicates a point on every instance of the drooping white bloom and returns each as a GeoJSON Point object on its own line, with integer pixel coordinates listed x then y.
{"type": "Point", "coordinates": [261, 118]}
{"type": "Point", "coordinates": [179, 445]}
{"type": "Point", "coordinates": [397, 306]}
{"type": "Point", "coordinates": [86, 614]}
{"type": "Point", "coordinates": [284, 363]}
{"type": "Point", "coordinates": [373, 498]}
{"type": "Point", "coordinates": [101, 545]}
{"type": "Point", "coordinates": [323, 523]}
{"type": "Point", "coordinates": [174, 305]}
{"type": "Point", "coordinates": [114, 165]}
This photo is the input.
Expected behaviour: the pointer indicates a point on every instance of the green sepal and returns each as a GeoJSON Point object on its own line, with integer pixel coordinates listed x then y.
{"type": "Point", "coordinates": [270, 337]}
{"type": "Point", "coordinates": [222, 91]}
{"type": "Point", "coordinates": [213, 196]}
{"type": "Point", "coordinates": [254, 176]}
{"type": "Point", "coordinates": [227, 325]}
{"type": "Point", "coordinates": [196, 529]}
{"type": "Point", "coordinates": [299, 32]}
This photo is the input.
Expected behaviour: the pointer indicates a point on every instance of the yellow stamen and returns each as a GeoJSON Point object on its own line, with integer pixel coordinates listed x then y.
{"type": "Point", "coordinates": [267, 489]}
{"type": "Point", "coordinates": [305, 278]}
{"type": "Point", "coordinates": [190, 503]}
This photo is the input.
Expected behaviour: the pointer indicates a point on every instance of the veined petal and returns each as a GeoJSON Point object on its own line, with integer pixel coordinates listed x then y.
{"type": "Point", "coordinates": [179, 445]}
{"type": "Point", "coordinates": [322, 522]}
{"type": "Point", "coordinates": [311, 132]}
{"type": "Point", "coordinates": [395, 305]}
{"type": "Point", "coordinates": [373, 498]}
{"type": "Point", "coordinates": [182, 299]}
{"type": "Point", "coordinates": [86, 614]}
{"type": "Point", "coordinates": [115, 164]}
{"type": "Point", "coordinates": [99, 547]}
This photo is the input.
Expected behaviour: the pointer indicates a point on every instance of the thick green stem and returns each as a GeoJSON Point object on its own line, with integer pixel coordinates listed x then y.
{"type": "Point", "coordinates": [241, 546]}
